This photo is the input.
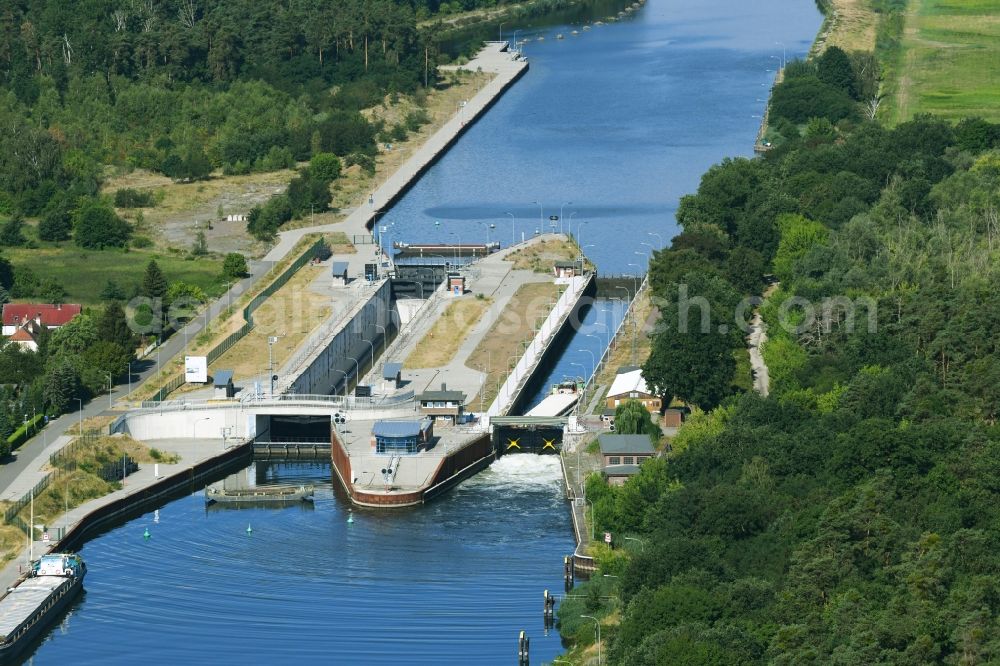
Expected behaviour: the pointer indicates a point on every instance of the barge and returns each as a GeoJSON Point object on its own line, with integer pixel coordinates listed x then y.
{"type": "Point", "coordinates": [35, 601]}
{"type": "Point", "coordinates": [282, 493]}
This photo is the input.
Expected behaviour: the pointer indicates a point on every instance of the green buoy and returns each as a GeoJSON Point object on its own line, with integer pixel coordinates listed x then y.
{"type": "Point", "coordinates": [249, 529]}
{"type": "Point", "coordinates": [146, 534]}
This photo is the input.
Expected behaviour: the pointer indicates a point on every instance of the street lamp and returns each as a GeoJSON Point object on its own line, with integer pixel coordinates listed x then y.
{"type": "Point", "coordinates": [512, 224]}
{"type": "Point", "coordinates": [783, 59]}
{"type": "Point", "coordinates": [593, 359]}
{"type": "Point", "coordinates": [659, 238]}
{"type": "Point", "coordinates": [541, 222]}
{"type": "Point", "coordinates": [598, 625]}
{"type": "Point", "coordinates": [568, 203]}
{"type": "Point", "coordinates": [110, 387]}
{"type": "Point", "coordinates": [372, 345]}
{"type": "Point", "coordinates": [569, 224]}
{"type": "Point", "coordinates": [345, 383]}
{"type": "Point", "coordinates": [635, 278]}
{"type": "Point", "coordinates": [270, 359]}
{"type": "Point", "coordinates": [642, 542]}
{"type": "Point", "coordinates": [194, 426]}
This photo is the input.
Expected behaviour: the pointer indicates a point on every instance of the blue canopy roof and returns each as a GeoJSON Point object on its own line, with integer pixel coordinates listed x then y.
{"type": "Point", "coordinates": [399, 429]}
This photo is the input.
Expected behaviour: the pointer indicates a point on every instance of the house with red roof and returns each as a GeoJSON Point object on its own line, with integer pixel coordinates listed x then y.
{"type": "Point", "coordinates": [22, 322]}
{"type": "Point", "coordinates": [17, 315]}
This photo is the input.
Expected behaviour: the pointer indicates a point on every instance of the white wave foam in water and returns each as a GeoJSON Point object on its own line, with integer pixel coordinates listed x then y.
{"type": "Point", "coordinates": [522, 470]}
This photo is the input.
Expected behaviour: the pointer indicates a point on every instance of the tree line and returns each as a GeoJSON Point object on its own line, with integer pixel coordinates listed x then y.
{"type": "Point", "coordinates": [847, 518]}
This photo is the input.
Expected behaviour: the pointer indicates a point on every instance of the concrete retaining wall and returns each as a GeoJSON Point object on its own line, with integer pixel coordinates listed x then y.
{"type": "Point", "coordinates": [325, 372]}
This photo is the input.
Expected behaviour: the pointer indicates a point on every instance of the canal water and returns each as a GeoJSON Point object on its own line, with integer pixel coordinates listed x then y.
{"type": "Point", "coordinates": [456, 578]}
{"type": "Point", "coordinates": [620, 120]}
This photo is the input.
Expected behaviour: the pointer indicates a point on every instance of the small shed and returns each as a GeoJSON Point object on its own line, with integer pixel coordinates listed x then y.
{"type": "Point", "coordinates": [393, 372]}
{"type": "Point", "coordinates": [456, 284]}
{"type": "Point", "coordinates": [673, 417]}
{"type": "Point", "coordinates": [339, 273]}
{"type": "Point", "coordinates": [223, 381]}
{"type": "Point", "coordinates": [564, 269]}
{"type": "Point", "coordinates": [389, 437]}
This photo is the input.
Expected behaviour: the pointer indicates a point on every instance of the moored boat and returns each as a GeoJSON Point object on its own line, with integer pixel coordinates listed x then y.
{"type": "Point", "coordinates": [277, 493]}
{"type": "Point", "coordinates": [28, 607]}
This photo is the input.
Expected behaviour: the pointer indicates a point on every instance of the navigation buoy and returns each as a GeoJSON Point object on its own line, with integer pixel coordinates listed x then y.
{"type": "Point", "coordinates": [146, 534]}
{"type": "Point", "coordinates": [350, 516]}
{"type": "Point", "coordinates": [249, 529]}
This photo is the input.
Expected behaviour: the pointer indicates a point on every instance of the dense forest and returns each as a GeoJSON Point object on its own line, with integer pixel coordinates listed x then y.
{"type": "Point", "coordinates": [185, 86]}
{"type": "Point", "coordinates": [850, 517]}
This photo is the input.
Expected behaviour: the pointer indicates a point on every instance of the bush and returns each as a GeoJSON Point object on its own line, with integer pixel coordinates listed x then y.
{"type": "Point", "coordinates": [235, 266]}
{"type": "Point", "coordinates": [130, 198]}
{"type": "Point", "coordinates": [366, 162]}
{"type": "Point", "coordinates": [141, 242]}
{"type": "Point", "coordinates": [97, 226]}
{"type": "Point", "coordinates": [325, 167]}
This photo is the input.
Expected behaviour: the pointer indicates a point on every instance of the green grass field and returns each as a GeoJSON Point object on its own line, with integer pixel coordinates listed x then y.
{"type": "Point", "coordinates": [949, 63]}
{"type": "Point", "coordinates": [83, 273]}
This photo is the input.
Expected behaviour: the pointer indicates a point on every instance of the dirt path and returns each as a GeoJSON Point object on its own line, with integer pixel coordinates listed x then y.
{"type": "Point", "coordinates": [756, 338]}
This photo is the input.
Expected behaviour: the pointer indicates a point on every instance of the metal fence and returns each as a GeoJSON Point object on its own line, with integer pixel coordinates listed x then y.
{"type": "Point", "coordinates": [268, 291]}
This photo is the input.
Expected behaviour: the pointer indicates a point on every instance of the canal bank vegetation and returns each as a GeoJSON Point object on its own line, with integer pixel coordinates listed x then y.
{"type": "Point", "coordinates": [541, 256]}
{"type": "Point", "coordinates": [87, 468]}
{"type": "Point", "coordinates": [440, 344]}
{"type": "Point", "coordinates": [849, 517]}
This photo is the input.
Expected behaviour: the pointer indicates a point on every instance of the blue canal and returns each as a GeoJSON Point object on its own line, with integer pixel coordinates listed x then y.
{"type": "Point", "coordinates": [620, 120]}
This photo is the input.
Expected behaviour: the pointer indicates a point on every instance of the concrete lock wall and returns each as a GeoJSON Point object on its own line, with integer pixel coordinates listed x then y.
{"type": "Point", "coordinates": [196, 424]}
{"type": "Point", "coordinates": [325, 374]}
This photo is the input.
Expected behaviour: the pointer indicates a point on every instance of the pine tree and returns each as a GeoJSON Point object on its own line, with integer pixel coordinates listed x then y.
{"type": "Point", "coordinates": [113, 326]}
{"type": "Point", "coordinates": [154, 283]}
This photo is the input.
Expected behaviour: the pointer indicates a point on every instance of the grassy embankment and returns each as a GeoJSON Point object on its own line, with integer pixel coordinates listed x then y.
{"type": "Point", "coordinates": [539, 256]}
{"type": "Point", "coordinates": [849, 24]}
{"type": "Point", "coordinates": [440, 344]}
{"type": "Point", "coordinates": [232, 319]}
{"type": "Point", "coordinates": [78, 482]}
{"type": "Point", "coordinates": [944, 61]}
{"type": "Point", "coordinates": [508, 336]}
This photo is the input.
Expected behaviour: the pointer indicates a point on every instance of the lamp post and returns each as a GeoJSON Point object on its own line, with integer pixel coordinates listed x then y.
{"type": "Point", "coordinates": [568, 203]}
{"type": "Point", "coordinates": [659, 238]}
{"type": "Point", "coordinates": [635, 278]}
{"type": "Point", "coordinates": [110, 387]}
{"type": "Point", "coordinates": [345, 384]}
{"type": "Point", "coordinates": [642, 542]}
{"type": "Point", "coordinates": [372, 345]}
{"type": "Point", "coordinates": [541, 222]}
{"type": "Point", "coordinates": [270, 359]}
{"type": "Point", "coordinates": [593, 359]}
{"type": "Point", "coordinates": [598, 625]}
{"type": "Point", "coordinates": [501, 32]}
{"type": "Point", "coordinates": [512, 225]}
{"type": "Point", "coordinates": [783, 59]}
{"type": "Point", "coordinates": [569, 223]}
{"type": "Point", "coordinates": [130, 377]}
{"type": "Point", "coordinates": [194, 426]}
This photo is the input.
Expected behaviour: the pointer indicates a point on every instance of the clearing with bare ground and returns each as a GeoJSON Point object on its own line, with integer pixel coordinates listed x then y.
{"type": "Point", "coordinates": [183, 209]}
{"type": "Point", "coordinates": [539, 257]}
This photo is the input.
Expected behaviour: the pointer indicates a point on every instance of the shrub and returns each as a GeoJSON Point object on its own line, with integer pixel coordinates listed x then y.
{"type": "Point", "coordinates": [129, 198]}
